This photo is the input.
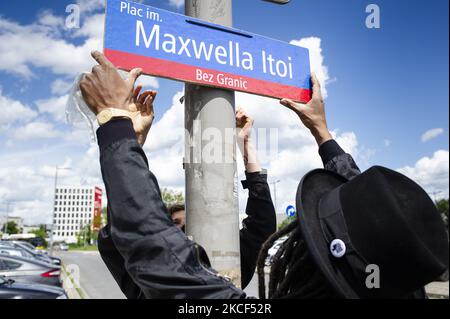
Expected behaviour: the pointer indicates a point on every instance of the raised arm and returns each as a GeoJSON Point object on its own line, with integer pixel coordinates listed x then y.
{"type": "Point", "coordinates": [160, 259]}
{"type": "Point", "coordinates": [261, 221]}
{"type": "Point", "coordinates": [313, 117]}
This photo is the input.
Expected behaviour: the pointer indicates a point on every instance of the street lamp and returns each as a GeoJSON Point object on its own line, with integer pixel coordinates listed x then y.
{"type": "Point", "coordinates": [274, 183]}
{"type": "Point", "coordinates": [57, 168]}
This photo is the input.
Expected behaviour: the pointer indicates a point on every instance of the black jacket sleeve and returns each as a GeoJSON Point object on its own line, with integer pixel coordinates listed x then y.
{"type": "Point", "coordinates": [259, 224]}
{"type": "Point", "coordinates": [336, 160]}
{"type": "Point", "coordinates": [116, 264]}
{"type": "Point", "coordinates": [159, 258]}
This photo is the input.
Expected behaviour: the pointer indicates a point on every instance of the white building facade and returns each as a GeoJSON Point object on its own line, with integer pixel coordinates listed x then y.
{"type": "Point", "coordinates": [75, 207]}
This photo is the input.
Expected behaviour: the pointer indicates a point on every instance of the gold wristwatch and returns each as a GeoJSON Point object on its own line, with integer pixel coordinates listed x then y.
{"type": "Point", "coordinates": [108, 114]}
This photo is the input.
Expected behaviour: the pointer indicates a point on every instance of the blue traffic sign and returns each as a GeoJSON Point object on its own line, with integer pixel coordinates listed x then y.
{"type": "Point", "coordinates": [290, 211]}
{"type": "Point", "coordinates": [175, 46]}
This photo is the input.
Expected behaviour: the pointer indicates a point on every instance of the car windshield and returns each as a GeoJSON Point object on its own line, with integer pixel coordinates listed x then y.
{"type": "Point", "coordinates": [2, 281]}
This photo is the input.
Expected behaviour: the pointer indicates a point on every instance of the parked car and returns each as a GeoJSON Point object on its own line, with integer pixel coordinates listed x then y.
{"type": "Point", "coordinates": [12, 251]}
{"type": "Point", "coordinates": [23, 246]}
{"type": "Point", "coordinates": [39, 251]}
{"type": "Point", "coordinates": [28, 270]}
{"type": "Point", "coordinates": [9, 289]}
{"type": "Point", "coordinates": [27, 244]}
{"type": "Point", "coordinates": [37, 242]}
{"type": "Point", "coordinates": [63, 247]}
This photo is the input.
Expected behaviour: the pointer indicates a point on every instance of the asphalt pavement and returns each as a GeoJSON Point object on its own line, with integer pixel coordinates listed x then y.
{"type": "Point", "coordinates": [95, 278]}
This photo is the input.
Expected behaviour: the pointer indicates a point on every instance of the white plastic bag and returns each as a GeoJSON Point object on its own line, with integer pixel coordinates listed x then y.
{"type": "Point", "coordinates": [77, 111]}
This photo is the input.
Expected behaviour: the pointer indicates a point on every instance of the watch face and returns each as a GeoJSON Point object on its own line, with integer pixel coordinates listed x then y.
{"type": "Point", "coordinates": [105, 116]}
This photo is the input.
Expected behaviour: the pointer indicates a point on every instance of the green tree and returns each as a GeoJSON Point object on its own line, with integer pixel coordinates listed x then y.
{"type": "Point", "coordinates": [12, 228]}
{"type": "Point", "coordinates": [86, 235]}
{"type": "Point", "coordinates": [171, 197]}
{"type": "Point", "coordinates": [287, 221]}
{"type": "Point", "coordinates": [442, 207]}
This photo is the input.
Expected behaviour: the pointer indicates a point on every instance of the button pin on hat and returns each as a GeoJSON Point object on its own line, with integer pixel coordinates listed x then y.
{"type": "Point", "coordinates": [338, 248]}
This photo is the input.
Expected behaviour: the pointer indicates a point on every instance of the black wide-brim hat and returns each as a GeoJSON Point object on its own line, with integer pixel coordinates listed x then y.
{"type": "Point", "coordinates": [378, 235]}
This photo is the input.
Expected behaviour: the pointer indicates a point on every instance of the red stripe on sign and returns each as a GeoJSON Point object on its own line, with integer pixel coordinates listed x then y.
{"type": "Point", "coordinates": [193, 74]}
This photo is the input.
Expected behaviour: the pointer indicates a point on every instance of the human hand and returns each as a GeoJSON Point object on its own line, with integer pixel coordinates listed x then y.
{"type": "Point", "coordinates": [244, 125]}
{"type": "Point", "coordinates": [312, 114]}
{"type": "Point", "coordinates": [142, 112]}
{"type": "Point", "coordinates": [104, 87]}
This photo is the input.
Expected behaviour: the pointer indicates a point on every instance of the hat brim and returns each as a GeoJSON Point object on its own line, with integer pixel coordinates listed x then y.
{"type": "Point", "coordinates": [310, 190]}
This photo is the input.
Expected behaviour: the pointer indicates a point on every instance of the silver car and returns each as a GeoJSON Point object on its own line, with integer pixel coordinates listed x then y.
{"type": "Point", "coordinates": [27, 270]}
{"type": "Point", "coordinates": [27, 251]}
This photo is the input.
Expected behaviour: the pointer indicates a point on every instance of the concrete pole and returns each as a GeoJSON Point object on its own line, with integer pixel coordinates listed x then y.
{"type": "Point", "coordinates": [212, 214]}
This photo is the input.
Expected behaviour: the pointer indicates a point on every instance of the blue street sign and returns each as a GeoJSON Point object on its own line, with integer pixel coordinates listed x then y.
{"type": "Point", "coordinates": [290, 211]}
{"type": "Point", "coordinates": [175, 46]}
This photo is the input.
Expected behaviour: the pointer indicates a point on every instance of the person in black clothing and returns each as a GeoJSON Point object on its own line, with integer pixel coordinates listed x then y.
{"type": "Point", "coordinates": [261, 220]}
{"type": "Point", "coordinates": [177, 212]}
{"type": "Point", "coordinates": [348, 220]}
{"type": "Point", "coordinates": [259, 224]}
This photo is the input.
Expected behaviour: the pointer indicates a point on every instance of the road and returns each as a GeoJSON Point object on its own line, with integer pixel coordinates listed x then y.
{"type": "Point", "coordinates": [95, 278]}
{"type": "Point", "coordinates": [98, 283]}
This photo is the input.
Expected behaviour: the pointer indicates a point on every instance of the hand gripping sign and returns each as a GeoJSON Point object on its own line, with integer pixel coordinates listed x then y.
{"type": "Point", "coordinates": [170, 45]}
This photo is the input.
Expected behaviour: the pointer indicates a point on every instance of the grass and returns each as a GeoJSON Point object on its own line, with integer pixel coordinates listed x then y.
{"type": "Point", "coordinates": [83, 248]}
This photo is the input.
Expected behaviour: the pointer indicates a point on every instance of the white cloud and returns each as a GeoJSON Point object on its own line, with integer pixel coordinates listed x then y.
{"type": "Point", "coordinates": [13, 111]}
{"type": "Point", "coordinates": [20, 56]}
{"type": "Point", "coordinates": [148, 81]}
{"type": "Point", "coordinates": [47, 18]}
{"type": "Point", "coordinates": [55, 106]}
{"type": "Point", "coordinates": [165, 145]}
{"type": "Point", "coordinates": [92, 27]}
{"type": "Point", "coordinates": [432, 173]}
{"type": "Point", "coordinates": [88, 6]}
{"type": "Point", "coordinates": [387, 142]}
{"type": "Point", "coordinates": [27, 179]}
{"type": "Point", "coordinates": [60, 86]}
{"type": "Point", "coordinates": [431, 134]}
{"type": "Point", "coordinates": [36, 130]}
{"type": "Point", "coordinates": [176, 3]}
{"type": "Point", "coordinates": [316, 60]}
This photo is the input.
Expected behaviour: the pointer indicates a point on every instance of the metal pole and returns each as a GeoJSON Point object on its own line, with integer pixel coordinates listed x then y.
{"type": "Point", "coordinates": [275, 194]}
{"type": "Point", "coordinates": [53, 214]}
{"type": "Point", "coordinates": [212, 215]}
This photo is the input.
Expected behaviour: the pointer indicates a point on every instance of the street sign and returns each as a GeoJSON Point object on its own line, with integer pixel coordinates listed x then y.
{"type": "Point", "coordinates": [174, 46]}
{"type": "Point", "coordinates": [290, 211]}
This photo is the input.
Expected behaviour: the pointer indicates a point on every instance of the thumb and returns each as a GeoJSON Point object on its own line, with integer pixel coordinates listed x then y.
{"type": "Point", "coordinates": [289, 104]}
{"type": "Point", "coordinates": [296, 107]}
{"type": "Point", "coordinates": [133, 76]}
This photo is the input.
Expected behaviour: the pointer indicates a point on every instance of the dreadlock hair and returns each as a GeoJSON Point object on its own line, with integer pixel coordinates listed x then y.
{"type": "Point", "coordinates": [293, 273]}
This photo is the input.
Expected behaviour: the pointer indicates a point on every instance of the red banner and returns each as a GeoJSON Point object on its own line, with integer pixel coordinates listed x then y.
{"type": "Point", "coordinates": [97, 221]}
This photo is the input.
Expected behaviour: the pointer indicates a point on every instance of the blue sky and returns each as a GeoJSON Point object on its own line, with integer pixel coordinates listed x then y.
{"type": "Point", "coordinates": [387, 86]}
